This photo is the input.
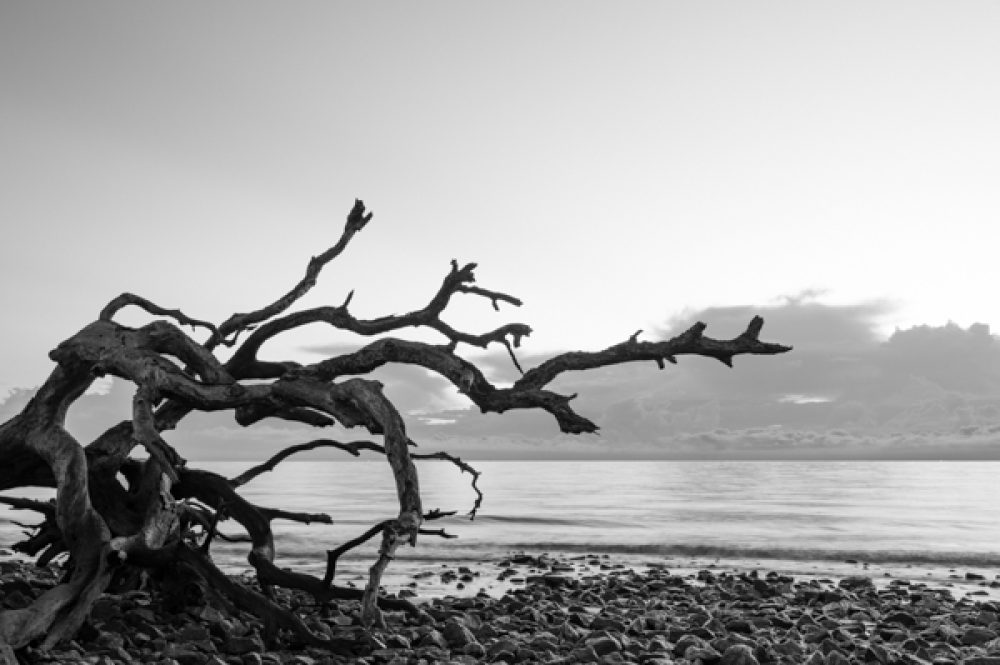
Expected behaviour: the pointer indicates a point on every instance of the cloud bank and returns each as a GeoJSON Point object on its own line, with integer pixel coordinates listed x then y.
{"type": "Point", "coordinates": [844, 392]}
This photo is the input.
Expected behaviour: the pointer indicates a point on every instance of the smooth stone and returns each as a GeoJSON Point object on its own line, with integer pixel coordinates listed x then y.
{"type": "Point", "coordinates": [856, 582]}
{"type": "Point", "coordinates": [977, 635]}
{"type": "Point", "coordinates": [456, 634]}
{"type": "Point", "coordinates": [738, 654]}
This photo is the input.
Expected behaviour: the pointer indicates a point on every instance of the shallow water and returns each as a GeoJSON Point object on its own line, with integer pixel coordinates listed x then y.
{"type": "Point", "coordinates": [936, 514]}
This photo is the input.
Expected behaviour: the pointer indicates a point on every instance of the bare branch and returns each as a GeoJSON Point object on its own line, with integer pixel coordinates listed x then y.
{"type": "Point", "coordinates": [528, 392]}
{"type": "Point", "coordinates": [145, 432]}
{"type": "Point", "coordinates": [244, 363]}
{"type": "Point", "coordinates": [307, 518]}
{"type": "Point", "coordinates": [353, 447]}
{"type": "Point", "coordinates": [356, 220]}
{"type": "Point", "coordinates": [466, 468]}
{"type": "Point", "coordinates": [126, 299]}
{"type": "Point", "coordinates": [47, 508]}
{"type": "Point", "coordinates": [258, 604]}
{"type": "Point", "coordinates": [690, 342]}
{"type": "Point", "coordinates": [332, 556]}
{"type": "Point", "coordinates": [494, 296]}
{"type": "Point", "coordinates": [175, 375]}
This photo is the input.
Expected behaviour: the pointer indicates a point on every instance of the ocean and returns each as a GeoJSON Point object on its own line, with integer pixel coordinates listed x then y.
{"type": "Point", "coordinates": [813, 516]}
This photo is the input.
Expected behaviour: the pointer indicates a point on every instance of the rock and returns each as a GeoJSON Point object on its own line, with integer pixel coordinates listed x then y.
{"type": "Point", "coordinates": [607, 623]}
{"type": "Point", "coordinates": [986, 617]}
{"type": "Point", "coordinates": [584, 655]}
{"type": "Point", "coordinates": [837, 658]}
{"type": "Point", "coordinates": [237, 646]}
{"type": "Point", "coordinates": [107, 640]}
{"type": "Point", "coordinates": [476, 650]}
{"type": "Point", "coordinates": [977, 635]}
{"type": "Point", "coordinates": [434, 638]}
{"type": "Point", "coordinates": [193, 632]}
{"type": "Point", "coordinates": [603, 645]}
{"type": "Point", "coordinates": [687, 641]}
{"type": "Point", "coordinates": [817, 658]}
{"type": "Point", "coordinates": [738, 654]}
{"type": "Point", "coordinates": [184, 655]}
{"type": "Point", "coordinates": [209, 615]}
{"type": "Point", "coordinates": [105, 608]}
{"type": "Point", "coordinates": [740, 626]}
{"type": "Point", "coordinates": [557, 581]}
{"type": "Point", "coordinates": [457, 635]}
{"type": "Point", "coordinates": [902, 618]}
{"type": "Point", "coordinates": [704, 654]}
{"type": "Point", "coordinates": [397, 642]}
{"type": "Point", "coordinates": [613, 658]}
{"type": "Point", "coordinates": [547, 644]}
{"type": "Point", "coordinates": [856, 583]}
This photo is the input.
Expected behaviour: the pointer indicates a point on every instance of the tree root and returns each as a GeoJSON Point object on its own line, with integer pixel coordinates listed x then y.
{"type": "Point", "coordinates": [101, 524]}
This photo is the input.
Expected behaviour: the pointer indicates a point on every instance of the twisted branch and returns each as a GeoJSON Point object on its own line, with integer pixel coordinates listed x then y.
{"type": "Point", "coordinates": [126, 299]}
{"type": "Point", "coordinates": [36, 449]}
{"type": "Point", "coordinates": [244, 363]}
{"type": "Point", "coordinates": [352, 447]}
{"type": "Point", "coordinates": [356, 220]}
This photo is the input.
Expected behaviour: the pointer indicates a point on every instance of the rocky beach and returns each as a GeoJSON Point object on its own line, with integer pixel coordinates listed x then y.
{"type": "Point", "coordinates": [585, 609]}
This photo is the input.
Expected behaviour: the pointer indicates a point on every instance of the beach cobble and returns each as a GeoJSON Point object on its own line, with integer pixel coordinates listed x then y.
{"type": "Point", "coordinates": [562, 615]}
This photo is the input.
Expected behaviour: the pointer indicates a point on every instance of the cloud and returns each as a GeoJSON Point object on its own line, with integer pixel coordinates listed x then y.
{"type": "Point", "coordinates": [845, 391]}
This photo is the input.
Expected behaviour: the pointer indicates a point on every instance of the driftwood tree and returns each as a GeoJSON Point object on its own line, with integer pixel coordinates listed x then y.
{"type": "Point", "coordinates": [165, 515]}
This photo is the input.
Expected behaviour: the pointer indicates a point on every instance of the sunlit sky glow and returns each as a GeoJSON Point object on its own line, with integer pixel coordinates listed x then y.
{"type": "Point", "coordinates": [614, 164]}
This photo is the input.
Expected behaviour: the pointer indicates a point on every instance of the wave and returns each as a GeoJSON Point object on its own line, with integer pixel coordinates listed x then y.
{"type": "Point", "coordinates": [711, 550]}
{"type": "Point", "coordinates": [552, 521]}
{"type": "Point", "coordinates": [435, 550]}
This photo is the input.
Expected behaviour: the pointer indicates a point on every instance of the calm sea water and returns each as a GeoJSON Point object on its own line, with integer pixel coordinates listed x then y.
{"type": "Point", "coordinates": [925, 513]}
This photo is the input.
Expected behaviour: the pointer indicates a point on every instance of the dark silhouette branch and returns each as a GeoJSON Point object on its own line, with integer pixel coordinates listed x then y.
{"type": "Point", "coordinates": [156, 521]}
{"type": "Point", "coordinates": [126, 299]}
{"type": "Point", "coordinates": [352, 447]}
{"type": "Point", "coordinates": [356, 220]}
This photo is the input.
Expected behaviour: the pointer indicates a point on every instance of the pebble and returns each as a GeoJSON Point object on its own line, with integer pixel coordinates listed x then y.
{"type": "Point", "coordinates": [588, 610]}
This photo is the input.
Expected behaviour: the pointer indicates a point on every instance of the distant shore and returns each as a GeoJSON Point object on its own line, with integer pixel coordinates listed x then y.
{"type": "Point", "coordinates": [539, 609]}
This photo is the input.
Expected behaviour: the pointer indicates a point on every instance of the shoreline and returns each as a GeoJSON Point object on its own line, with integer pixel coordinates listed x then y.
{"type": "Point", "coordinates": [587, 608]}
{"type": "Point", "coordinates": [431, 578]}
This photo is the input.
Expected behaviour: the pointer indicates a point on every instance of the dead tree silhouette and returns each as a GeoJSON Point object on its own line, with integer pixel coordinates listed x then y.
{"type": "Point", "coordinates": [166, 515]}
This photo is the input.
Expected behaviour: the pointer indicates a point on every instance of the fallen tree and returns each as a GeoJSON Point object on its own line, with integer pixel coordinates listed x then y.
{"type": "Point", "coordinates": [166, 514]}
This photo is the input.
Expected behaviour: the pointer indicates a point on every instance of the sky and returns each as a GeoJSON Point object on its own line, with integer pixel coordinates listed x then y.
{"type": "Point", "coordinates": [616, 165]}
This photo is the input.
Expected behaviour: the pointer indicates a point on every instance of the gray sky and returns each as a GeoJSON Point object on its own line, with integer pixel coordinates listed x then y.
{"type": "Point", "coordinates": [618, 165]}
